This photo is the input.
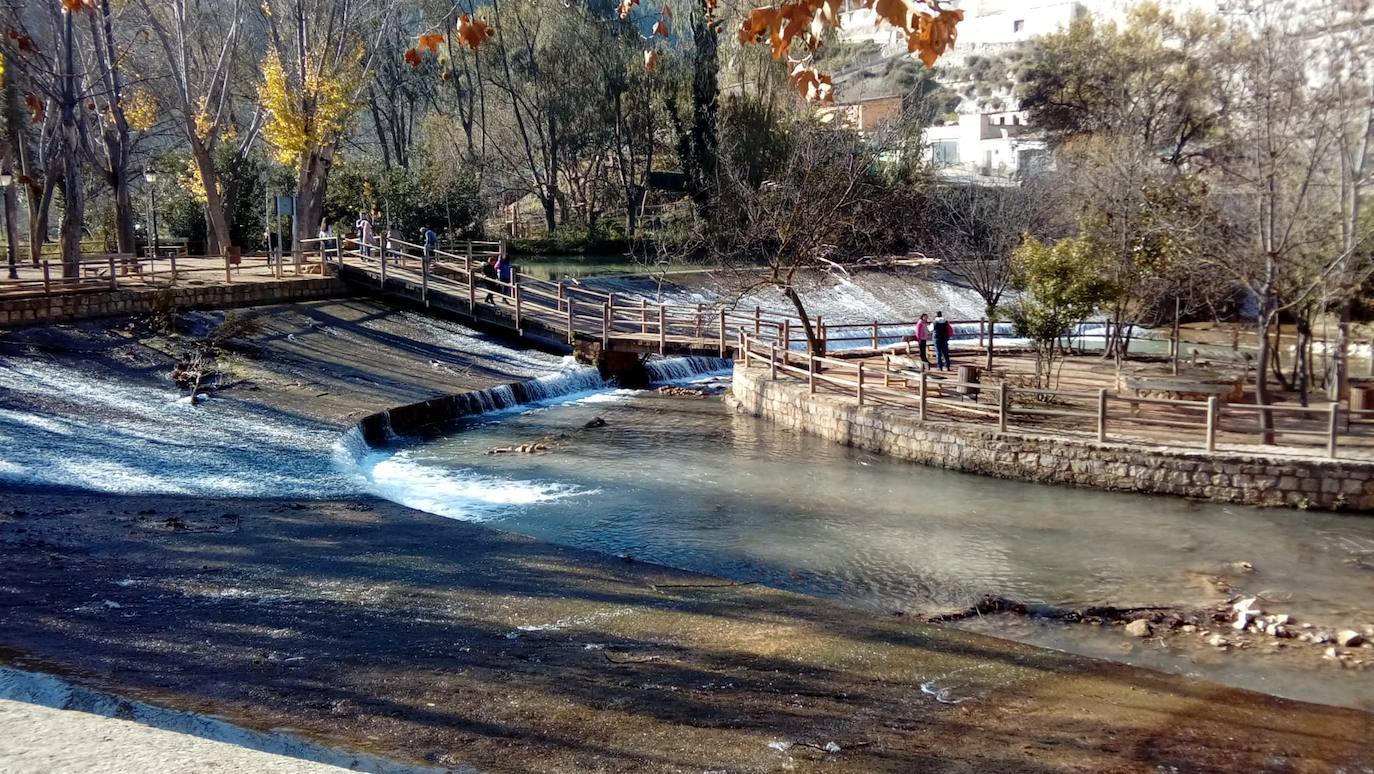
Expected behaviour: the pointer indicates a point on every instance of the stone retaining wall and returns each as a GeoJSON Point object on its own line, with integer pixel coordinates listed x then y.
{"type": "Point", "coordinates": [1270, 480]}
{"type": "Point", "coordinates": [66, 307]}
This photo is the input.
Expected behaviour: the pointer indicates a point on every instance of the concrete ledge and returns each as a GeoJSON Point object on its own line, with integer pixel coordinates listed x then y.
{"type": "Point", "coordinates": [1249, 479]}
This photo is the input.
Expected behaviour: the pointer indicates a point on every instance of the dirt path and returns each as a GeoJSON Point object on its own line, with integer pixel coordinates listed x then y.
{"type": "Point", "coordinates": [365, 625]}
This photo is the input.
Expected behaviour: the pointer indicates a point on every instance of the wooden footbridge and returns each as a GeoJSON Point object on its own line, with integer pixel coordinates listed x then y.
{"type": "Point", "coordinates": [590, 321]}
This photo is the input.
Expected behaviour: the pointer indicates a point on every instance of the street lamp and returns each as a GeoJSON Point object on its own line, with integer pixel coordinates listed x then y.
{"type": "Point", "coordinates": [151, 177]}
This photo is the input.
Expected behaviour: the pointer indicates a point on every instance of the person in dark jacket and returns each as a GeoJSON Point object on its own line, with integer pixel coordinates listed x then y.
{"type": "Point", "coordinates": [942, 330]}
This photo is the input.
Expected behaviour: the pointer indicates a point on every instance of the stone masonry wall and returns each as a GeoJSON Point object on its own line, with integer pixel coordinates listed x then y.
{"type": "Point", "coordinates": [1270, 480]}
{"type": "Point", "coordinates": [66, 307]}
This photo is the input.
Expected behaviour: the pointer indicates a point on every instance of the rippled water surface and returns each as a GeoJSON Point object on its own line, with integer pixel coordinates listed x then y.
{"type": "Point", "coordinates": [687, 483]}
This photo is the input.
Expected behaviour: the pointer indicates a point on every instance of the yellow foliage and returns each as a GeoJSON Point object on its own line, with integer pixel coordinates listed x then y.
{"type": "Point", "coordinates": [204, 124]}
{"type": "Point", "coordinates": [140, 110]}
{"type": "Point", "coordinates": [314, 116]}
{"type": "Point", "coordinates": [189, 178]}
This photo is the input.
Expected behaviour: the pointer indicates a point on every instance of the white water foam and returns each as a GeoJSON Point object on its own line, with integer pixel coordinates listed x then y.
{"type": "Point", "coordinates": [402, 476]}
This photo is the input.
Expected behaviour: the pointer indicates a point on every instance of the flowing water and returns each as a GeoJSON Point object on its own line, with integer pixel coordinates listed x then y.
{"type": "Point", "coordinates": [688, 483]}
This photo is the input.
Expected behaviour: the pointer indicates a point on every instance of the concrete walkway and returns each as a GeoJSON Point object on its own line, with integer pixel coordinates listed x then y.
{"type": "Point", "coordinates": [42, 740]}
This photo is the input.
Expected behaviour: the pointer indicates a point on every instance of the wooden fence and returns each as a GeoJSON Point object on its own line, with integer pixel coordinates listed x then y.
{"type": "Point", "coordinates": [1101, 414]}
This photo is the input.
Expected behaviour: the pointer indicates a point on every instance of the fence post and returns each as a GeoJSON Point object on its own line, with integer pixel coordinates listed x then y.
{"type": "Point", "coordinates": [114, 281]}
{"type": "Point", "coordinates": [572, 322]}
{"type": "Point", "coordinates": [773, 361]}
{"type": "Point", "coordinates": [922, 415]}
{"type": "Point", "coordinates": [515, 291]}
{"type": "Point", "coordinates": [228, 276]}
{"type": "Point", "coordinates": [1333, 423]}
{"type": "Point", "coordinates": [744, 347]}
{"type": "Point", "coordinates": [424, 279]}
{"type": "Point", "coordinates": [174, 268]}
{"type": "Point", "coordinates": [1003, 401]}
{"type": "Point", "coordinates": [643, 316]}
{"type": "Point", "coordinates": [811, 372]}
{"type": "Point", "coordinates": [820, 333]}
{"type": "Point", "coordinates": [1211, 423]}
{"type": "Point", "coordinates": [887, 370]}
{"type": "Point", "coordinates": [758, 320]}
{"type": "Point", "coordinates": [1101, 415]}
{"type": "Point", "coordinates": [787, 334]}
{"type": "Point", "coordinates": [980, 334]}
{"type": "Point", "coordinates": [606, 325]}
{"type": "Point", "coordinates": [47, 280]}
{"type": "Point", "coordinates": [875, 334]}
{"type": "Point", "coordinates": [859, 391]}
{"type": "Point", "coordinates": [472, 281]}
{"type": "Point", "coordinates": [662, 329]}
{"type": "Point", "coordinates": [382, 263]}
{"type": "Point", "coordinates": [722, 333]}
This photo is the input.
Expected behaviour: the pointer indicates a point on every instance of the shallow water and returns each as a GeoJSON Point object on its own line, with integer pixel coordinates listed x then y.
{"type": "Point", "coordinates": [687, 483]}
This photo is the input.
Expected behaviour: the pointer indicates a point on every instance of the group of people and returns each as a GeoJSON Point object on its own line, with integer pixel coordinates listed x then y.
{"type": "Point", "coordinates": [496, 270]}
{"type": "Point", "coordinates": [939, 330]}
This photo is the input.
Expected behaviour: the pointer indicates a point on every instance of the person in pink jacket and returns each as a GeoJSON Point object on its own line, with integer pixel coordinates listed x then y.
{"type": "Point", "coordinates": [923, 336]}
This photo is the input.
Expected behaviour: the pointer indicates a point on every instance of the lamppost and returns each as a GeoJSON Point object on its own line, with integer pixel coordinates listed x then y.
{"type": "Point", "coordinates": [6, 178]}
{"type": "Point", "coordinates": [151, 177]}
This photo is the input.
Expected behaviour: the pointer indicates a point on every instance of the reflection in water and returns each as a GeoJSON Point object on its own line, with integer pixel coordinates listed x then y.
{"type": "Point", "coordinates": [690, 484]}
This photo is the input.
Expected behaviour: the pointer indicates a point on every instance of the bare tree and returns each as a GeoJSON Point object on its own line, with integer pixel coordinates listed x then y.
{"type": "Point", "coordinates": [975, 229]}
{"type": "Point", "coordinates": [817, 212]}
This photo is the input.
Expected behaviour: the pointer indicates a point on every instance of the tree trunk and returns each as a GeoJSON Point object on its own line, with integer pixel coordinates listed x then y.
{"type": "Point", "coordinates": [219, 238]}
{"type": "Point", "coordinates": [73, 216]}
{"type": "Point", "coordinates": [1302, 375]}
{"type": "Point", "coordinates": [813, 343]}
{"type": "Point", "coordinates": [1266, 420]}
{"type": "Point", "coordinates": [40, 208]}
{"type": "Point", "coordinates": [1338, 386]}
{"type": "Point", "coordinates": [124, 215]}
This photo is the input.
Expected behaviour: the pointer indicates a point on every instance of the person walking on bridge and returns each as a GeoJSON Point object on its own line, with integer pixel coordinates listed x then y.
{"type": "Point", "coordinates": [364, 230]}
{"type": "Point", "coordinates": [430, 241]}
{"type": "Point", "coordinates": [942, 331]}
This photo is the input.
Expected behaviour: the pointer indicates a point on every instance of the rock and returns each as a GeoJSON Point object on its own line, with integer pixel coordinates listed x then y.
{"type": "Point", "coordinates": [1332, 653]}
{"type": "Point", "coordinates": [1320, 638]}
{"type": "Point", "coordinates": [1282, 619]}
{"type": "Point", "coordinates": [1218, 641]}
{"type": "Point", "coordinates": [595, 423]}
{"type": "Point", "coordinates": [1245, 611]}
{"type": "Point", "coordinates": [1188, 628]}
{"type": "Point", "coordinates": [1139, 628]}
{"type": "Point", "coordinates": [1349, 638]}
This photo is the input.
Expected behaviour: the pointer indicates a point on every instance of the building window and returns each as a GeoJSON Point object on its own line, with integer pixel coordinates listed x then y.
{"type": "Point", "coordinates": [1018, 25]}
{"type": "Point", "coordinates": [944, 152]}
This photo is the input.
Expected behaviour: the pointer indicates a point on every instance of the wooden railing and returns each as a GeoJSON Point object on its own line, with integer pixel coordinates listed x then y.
{"type": "Point", "coordinates": [1101, 414]}
{"type": "Point", "coordinates": [116, 271]}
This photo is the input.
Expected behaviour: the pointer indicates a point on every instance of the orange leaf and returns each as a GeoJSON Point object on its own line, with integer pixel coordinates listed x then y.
{"type": "Point", "coordinates": [37, 107]}
{"type": "Point", "coordinates": [661, 29]}
{"type": "Point", "coordinates": [473, 32]}
{"type": "Point", "coordinates": [412, 57]}
{"type": "Point", "coordinates": [430, 43]}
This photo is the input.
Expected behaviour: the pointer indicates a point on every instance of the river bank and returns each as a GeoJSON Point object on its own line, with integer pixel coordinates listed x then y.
{"type": "Point", "coordinates": [358, 622]}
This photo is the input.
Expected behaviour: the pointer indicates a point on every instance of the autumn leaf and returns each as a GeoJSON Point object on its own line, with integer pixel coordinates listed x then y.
{"type": "Point", "coordinates": [661, 29]}
{"type": "Point", "coordinates": [77, 6]}
{"type": "Point", "coordinates": [473, 32]}
{"type": "Point", "coordinates": [412, 58]}
{"type": "Point", "coordinates": [430, 43]}
{"type": "Point", "coordinates": [38, 109]}
{"type": "Point", "coordinates": [930, 31]}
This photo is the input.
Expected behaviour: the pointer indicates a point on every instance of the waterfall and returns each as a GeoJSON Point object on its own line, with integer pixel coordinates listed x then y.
{"type": "Point", "coordinates": [678, 369]}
